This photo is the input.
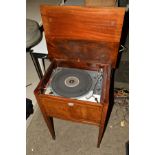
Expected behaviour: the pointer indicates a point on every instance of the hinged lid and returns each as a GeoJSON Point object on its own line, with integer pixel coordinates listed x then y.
{"type": "Point", "coordinates": [83, 33]}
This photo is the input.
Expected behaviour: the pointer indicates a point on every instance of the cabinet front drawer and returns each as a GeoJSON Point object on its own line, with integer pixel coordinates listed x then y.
{"type": "Point", "coordinates": [75, 110]}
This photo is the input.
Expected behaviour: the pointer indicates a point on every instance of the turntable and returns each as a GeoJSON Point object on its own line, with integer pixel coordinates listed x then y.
{"type": "Point", "coordinates": [74, 83]}
{"type": "Point", "coordinates": [82, 45]}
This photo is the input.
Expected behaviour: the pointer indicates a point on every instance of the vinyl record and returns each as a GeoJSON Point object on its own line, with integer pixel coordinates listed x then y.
{"type": "Point", "coordinates": [71, 83]}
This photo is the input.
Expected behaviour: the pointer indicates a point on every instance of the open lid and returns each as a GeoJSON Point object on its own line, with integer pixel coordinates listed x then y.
{"type": "Point", "coordinates": [83, 33]}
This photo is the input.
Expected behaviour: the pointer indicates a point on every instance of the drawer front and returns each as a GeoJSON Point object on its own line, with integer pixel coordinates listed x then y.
{"type": "Point", "coordinates": [75, 110]}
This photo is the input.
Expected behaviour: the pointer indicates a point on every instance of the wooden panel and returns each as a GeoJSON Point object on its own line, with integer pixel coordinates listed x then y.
{"type": "Point", "coordinates": [75, 22]}
{"type": "Point", "coordinates": [74, 32]}
{"type": "Point", "coordinates": [78, 111]}
{"type": "Point", "coordinates": [83, 50]}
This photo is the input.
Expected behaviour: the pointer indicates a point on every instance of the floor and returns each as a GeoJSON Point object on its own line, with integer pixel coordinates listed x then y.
{"type": "Point", "coordinates": [73, 138]}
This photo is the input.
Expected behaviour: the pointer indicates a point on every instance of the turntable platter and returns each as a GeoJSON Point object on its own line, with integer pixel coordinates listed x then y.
{"type": "Point", "coordinates": [71, 83]}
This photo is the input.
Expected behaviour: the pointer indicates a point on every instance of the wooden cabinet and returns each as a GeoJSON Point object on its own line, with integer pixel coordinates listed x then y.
{"type": "Point", "coordinates": [81, 38]}
{"type": "Point", "coordinates": [73, 110]}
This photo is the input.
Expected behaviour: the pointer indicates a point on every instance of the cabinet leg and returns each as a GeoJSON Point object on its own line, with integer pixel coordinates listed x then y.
{"type": "Point", "coordinates": [102, 125]}
{"type": "Point", "coordinates": [52, 130]}
{"type": "Point", "coordinates": [48, 120]}
{"type": "Point", "coordinates": [50, 125]}
{"type": "Point", "coordinates": [101, 132]}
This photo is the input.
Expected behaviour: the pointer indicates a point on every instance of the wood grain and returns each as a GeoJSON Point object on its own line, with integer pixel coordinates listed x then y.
{"type": "Point", "coordinates": [85, 33]}
{"type": "Point", "coordinates": [84, 38]}
{"type": "Point", "coordinates": [79, 111]}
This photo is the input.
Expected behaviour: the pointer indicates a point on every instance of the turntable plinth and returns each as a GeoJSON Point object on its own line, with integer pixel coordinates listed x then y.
{"type": "Point", "coordinates": [80, 38]}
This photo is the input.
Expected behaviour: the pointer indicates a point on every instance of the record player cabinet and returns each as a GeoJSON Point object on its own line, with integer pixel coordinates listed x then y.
{"type": "Point", "coordinates": [83, 38]}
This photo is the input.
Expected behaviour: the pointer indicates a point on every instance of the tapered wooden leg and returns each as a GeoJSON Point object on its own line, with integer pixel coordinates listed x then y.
{"type": "Point", "coordinates": [102, 125]}
{"type": "Point", "coordinates": [50, 125]}
{"type": "Point", "coordinates": [49, 121]}
{"type": "Point", "coordinates": [101, 130]}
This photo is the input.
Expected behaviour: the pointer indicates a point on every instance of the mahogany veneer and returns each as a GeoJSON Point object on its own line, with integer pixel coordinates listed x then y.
{"type": "Point", "coordinates": [84, 38]}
